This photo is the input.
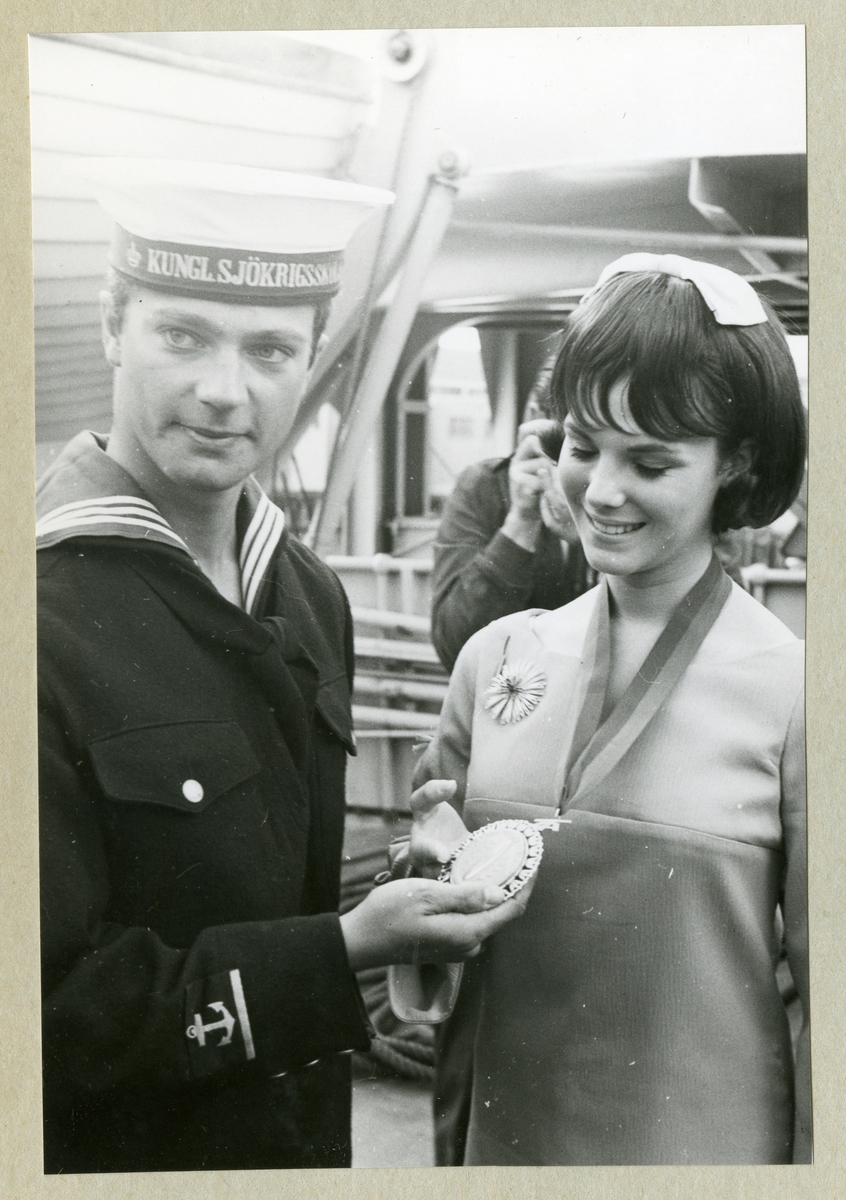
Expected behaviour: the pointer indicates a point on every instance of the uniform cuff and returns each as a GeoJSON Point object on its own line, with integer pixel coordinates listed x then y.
{"type": "Point", "coordinates": [298, 997]}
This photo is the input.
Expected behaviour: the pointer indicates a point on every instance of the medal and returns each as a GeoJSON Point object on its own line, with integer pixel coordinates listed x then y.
{"type": "Point", "coordinates": [505, 854]}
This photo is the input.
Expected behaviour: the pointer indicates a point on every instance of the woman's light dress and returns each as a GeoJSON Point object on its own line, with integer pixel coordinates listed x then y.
{"type": "Point", "coordinates": [632, 1016]}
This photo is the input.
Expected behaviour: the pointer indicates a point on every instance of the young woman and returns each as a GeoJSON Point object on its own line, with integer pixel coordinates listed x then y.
{"type": "Point", "coordinates": [654, 728]}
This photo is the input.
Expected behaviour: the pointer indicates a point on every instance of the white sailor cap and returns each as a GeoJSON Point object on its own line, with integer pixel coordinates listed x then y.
{"type": "Point", "coordinates": [226, 232]}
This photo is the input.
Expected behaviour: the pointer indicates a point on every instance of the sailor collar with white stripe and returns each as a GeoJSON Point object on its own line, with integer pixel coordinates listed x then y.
{"type": "Point", "coordinates": [87, 494]}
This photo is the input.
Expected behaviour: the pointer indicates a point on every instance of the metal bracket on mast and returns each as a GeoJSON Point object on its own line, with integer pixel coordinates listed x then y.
{"type": "Point", "coordinates": [386, 349]}
{"type": "Point", "coordinates": [724, 222]}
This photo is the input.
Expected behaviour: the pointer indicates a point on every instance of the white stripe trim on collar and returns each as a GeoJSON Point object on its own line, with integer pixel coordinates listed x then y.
{"type": "Point", "coordinates": [109, 501]}
{"type": "Point", "coordinates": [130, 505]}
{"type": "Point", "coordinates": [117, 510]}
{"type": "Point", "coordinates": [252, 531]}
{"type": "Point", "coordinates": [260, 541]}
{"type": "Point", "coordinates": [85, 522]}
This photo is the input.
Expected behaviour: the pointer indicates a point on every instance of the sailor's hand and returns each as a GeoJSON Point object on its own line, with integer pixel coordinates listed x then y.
{"type": "Point", "coordinates": [420, 920]}
{"type": "Point", "coordinates": [437, 829]}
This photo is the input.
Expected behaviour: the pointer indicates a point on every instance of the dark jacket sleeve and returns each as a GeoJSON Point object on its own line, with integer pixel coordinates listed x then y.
{"type": "Point", "coordinates": [480, 574]}
{"type": "Point", "coordinates": [123, 1008]}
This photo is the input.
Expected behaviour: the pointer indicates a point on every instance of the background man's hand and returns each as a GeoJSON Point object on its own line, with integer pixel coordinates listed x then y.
{"type": "Point", "coordinates": [529, 475]}
{"type": "Point", "coordinates": [556, 514]}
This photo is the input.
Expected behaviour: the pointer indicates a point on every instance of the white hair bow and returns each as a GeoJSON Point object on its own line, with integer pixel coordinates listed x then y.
{"type": "Point", "coordinates": [730, 298]}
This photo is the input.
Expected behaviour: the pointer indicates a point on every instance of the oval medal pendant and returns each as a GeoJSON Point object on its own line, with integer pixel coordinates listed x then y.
{"type": "Point", "coordinates": [505, 853]}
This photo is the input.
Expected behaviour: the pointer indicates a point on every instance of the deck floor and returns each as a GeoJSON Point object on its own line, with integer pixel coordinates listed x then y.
{"type": "Point", "coordinates": [392, 1123]}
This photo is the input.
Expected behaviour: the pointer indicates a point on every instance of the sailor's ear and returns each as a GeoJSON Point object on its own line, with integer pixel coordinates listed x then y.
{"type": "Point", "coordinates": [322, 342]}
{"type": "Point", "coordinates": [738, 464]}
{"type": "Point", "coordinates": [110, 328]}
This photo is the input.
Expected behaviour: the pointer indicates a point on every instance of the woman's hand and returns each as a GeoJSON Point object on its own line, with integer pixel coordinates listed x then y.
{"type": "Point", "coordinates": [437, 829]}
{"type": "Point", "coordinates": [420, 920]}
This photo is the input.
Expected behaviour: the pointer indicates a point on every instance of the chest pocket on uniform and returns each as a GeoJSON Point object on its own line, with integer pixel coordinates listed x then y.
{"type": "Point", "coordinates": [184, 766]}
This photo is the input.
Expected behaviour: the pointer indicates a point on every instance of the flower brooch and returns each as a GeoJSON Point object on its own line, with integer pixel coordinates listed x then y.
{"type": "Point", "coordinates": [515, 690]}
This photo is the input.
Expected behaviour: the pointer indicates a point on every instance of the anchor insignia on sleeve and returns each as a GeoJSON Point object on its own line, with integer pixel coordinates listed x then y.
{"type": "Point", "coordinates": [227, 1022]}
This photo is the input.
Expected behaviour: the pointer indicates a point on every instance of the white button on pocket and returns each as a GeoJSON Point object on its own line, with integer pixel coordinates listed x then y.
{"type": "Point", "coordinates": [192, 791]}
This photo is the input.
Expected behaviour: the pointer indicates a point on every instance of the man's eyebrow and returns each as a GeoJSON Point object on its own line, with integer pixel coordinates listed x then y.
{"type": "Point", "coordinates": [185, 318]}
{"type": "Point", "coordinates": [205, 325]}
{"type": "Point", "coordinates": [283, 335]}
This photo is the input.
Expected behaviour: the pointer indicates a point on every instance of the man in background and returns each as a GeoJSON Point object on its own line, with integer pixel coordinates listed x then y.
{"type": "Point", "coordinates": [506, 540]}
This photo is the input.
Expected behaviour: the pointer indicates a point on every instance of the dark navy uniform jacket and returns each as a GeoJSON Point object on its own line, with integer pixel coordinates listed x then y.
{"type": "Point", "coordinates": [198, 1000]}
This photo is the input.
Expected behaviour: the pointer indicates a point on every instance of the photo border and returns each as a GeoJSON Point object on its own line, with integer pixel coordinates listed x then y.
{"type": "Point", "coordinates": [20, 1119]}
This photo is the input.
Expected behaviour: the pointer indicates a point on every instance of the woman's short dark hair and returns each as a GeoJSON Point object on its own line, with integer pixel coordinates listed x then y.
{"type": "Point", "coordinates": [121, 289]}
{"type": "Point", "coordinates": [688, 376]}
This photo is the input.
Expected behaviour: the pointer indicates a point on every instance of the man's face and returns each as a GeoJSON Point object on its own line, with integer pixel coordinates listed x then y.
{"type": "Point", "coordinates": [205, 391]}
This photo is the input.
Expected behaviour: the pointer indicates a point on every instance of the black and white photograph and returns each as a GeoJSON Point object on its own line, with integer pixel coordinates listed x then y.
{"type": "Point", "coordinates": [421, 451]}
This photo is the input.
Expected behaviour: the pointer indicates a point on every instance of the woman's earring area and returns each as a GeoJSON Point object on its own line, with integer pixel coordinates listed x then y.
{"type": "Point", "coordinates": [738, 466]}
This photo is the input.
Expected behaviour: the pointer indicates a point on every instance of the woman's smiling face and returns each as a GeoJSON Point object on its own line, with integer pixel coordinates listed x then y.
{"type": "Point", "coordinates": [642, 505]}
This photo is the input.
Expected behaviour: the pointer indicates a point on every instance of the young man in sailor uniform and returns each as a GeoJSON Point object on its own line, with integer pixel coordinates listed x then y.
{"type": "Point", "coordinates": [195, 666]}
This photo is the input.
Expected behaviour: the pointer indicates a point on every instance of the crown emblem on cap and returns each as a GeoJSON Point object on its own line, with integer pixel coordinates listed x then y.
{"type": "Point", "coordinates": [133, 255]}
